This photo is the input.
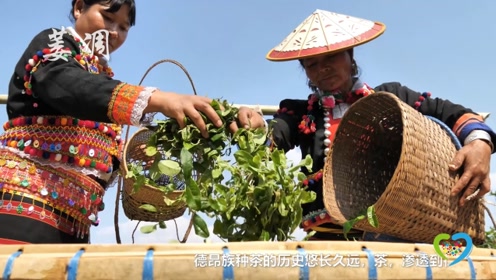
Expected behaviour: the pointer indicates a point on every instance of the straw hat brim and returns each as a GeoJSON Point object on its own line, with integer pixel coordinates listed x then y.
{"type": "Point", "coordinates": [376, 31]}
{"type": "Point", "coordinates": [325, 32]}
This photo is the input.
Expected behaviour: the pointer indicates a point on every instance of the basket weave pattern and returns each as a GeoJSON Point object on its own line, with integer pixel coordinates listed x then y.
{"type": "Point", "coordinates": [388, 155]}
{"type": "Point", "coordinates": [134, 152]}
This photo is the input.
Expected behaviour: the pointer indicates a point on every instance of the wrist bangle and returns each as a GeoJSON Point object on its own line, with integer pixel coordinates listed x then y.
{"type": "Point", "coordinates": [479, 135]}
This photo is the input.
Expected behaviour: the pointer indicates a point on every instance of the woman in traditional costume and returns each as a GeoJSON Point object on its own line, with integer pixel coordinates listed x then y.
{"type": "Point", "coordinates": [61, 145]}
{"type": "Point", "coordinates": [323, 44]}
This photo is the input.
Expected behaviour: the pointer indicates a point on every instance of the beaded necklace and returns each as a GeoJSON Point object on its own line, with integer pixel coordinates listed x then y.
{"type": "Point", "coordinates": [327, 102]}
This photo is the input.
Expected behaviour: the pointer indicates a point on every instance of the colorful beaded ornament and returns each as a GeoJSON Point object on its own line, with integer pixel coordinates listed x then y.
{"type": "Point", "coordinates": [327, 102]}
{"type": "Point", "coordinates": [73, 194]}
{"type": "Point", "coordinates": [68, 140]}
{"type": "Point", "coordinates": [88, 61]}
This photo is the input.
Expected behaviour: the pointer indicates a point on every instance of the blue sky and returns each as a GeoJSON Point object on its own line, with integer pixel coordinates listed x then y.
{"type": "Point", "coordinates": [445, 47]}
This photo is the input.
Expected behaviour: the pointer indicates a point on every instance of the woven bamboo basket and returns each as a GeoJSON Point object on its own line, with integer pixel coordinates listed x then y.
{"type": "Point", "coordinates": [389, 155]}
{"type": "Point", "coordinates": [134, 153]}
{"type": "Point", "coordinates": [240, 261]}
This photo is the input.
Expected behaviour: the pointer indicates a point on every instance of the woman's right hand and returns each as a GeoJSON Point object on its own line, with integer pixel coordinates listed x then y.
{"type": "Point", "coordinates": [248, 118]}
{"type": "Point", "coordinates": [179, 106]}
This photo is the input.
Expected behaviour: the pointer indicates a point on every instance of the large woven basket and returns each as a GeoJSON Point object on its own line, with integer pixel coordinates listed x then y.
{"type": "Point", "coordinates": [389, 155]}
{"type": "Point", "coordinates": [134, 152]}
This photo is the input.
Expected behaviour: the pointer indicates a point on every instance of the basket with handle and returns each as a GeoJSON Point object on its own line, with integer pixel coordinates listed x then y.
{"type": "Point", "coordinates": [132, 200]}
{"type": "Point", "coordinates": [134, 153]}
{"type": "Point", "coordinates": [388, 155]}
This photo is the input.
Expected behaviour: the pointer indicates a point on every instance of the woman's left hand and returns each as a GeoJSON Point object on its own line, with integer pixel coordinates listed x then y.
{"type": "Point", "coordinates": [475, 158]}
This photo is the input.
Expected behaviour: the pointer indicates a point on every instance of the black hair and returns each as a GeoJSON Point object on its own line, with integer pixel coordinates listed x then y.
{"type": "Point", "coordinates": [114, 6]}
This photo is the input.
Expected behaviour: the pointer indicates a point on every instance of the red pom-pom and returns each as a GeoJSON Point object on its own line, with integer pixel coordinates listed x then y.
{"type": "Point", "coordinates": [100, 166]}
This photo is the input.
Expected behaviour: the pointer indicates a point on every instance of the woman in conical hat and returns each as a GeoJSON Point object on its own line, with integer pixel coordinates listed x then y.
{"type": "Point", "coordinates": [323, 44]}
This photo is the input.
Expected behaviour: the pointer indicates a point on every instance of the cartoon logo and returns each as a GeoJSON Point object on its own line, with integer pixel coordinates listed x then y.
{"type": "Point", "coordinates": [451, 246]}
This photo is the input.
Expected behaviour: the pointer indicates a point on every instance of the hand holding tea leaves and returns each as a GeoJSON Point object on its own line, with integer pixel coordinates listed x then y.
{"type": "Point", "coordinates": [257, 196]}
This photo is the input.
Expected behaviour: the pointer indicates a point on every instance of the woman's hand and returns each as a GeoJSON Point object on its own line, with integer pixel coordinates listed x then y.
{"type": "Point", "coordinates": [248, 118]}
{"type": "Point", "coordinates": [475, 158]}
{"type": "Point", "coordinates": [179, 106]}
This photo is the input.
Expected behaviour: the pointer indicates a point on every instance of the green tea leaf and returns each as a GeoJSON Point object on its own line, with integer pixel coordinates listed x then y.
{"type": "Point", "coordinates": [265, 236]}
{"type": "Point", "coordinates": [279, 158]}
{"type": "Point", "coordinates": [216, 137]}
{"type": "Point", "coordinates": [283, 210]}
{"type": "Point", "coordinates": [148, 229]}
{"type": "Point", "coordinates": [307, 162]}
{"type": "Point", "coordinates": [348, 225]}
{"type": "Point", "coordinates": [150, 150]}
{"type": "Point", "coordinates": [193, 196]}
{"type": "Point", "coordinates": [169, 167]}
{"type": "Point", "coordinates": [372, 217]}
{"type": "Point", "coordinates": [216, 173]}
{"type": "Point", "coordinates": [186, 163]}
{"type": "Point", "coordinates": [148, 207]}
{"type": "Point", "coordinates": [201, 228]}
